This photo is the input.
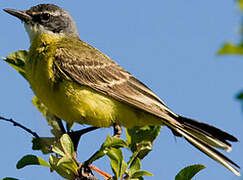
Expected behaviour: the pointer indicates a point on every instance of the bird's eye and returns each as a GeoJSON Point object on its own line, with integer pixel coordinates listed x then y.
{"type": "Point", "coordinates": [46, 16]}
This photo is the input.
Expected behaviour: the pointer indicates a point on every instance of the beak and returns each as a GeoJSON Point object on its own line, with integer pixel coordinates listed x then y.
{"type": "Point", "coordinates": [22, 15]}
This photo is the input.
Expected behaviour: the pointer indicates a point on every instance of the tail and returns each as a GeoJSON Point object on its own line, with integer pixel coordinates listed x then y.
{"type": "Point", "coordinates": [204, 137]}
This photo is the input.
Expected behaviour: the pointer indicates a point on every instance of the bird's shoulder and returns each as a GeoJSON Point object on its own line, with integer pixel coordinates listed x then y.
{"type": "Point", "coordinates": [82, 61]}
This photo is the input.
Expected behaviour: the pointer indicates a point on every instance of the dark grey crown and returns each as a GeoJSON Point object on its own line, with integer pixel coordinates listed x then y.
{"type": "Point", "coordinates": [44, 7]}
{"type": "Point", "coordinates": [53, 18]}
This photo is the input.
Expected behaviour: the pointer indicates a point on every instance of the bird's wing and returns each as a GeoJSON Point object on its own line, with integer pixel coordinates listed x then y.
{"type": "Point", "coordinates": [87, 66]}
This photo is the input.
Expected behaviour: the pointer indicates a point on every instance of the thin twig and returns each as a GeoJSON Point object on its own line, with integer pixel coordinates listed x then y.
{"type": "Point", "coordinates": [21, 126]}
{"type": "Point", "coordinates": [102, 173]}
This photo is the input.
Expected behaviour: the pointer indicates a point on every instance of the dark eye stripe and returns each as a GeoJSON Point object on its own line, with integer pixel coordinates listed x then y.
{"type": "Point", "coordinates": [36, 18]}
{"type": "Point", "coordinates": [41, 17]}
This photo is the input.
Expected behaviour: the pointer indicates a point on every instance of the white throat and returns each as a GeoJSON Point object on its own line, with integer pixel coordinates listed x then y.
{"type": "Point", "coordinates": [37, 29]}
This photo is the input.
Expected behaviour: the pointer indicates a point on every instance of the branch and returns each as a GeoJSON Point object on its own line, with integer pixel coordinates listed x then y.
{"type": "Point", "coordinates": [75, 135]}
{"type": "Point", "coordinates": [21, 126]}
{"type": "Point", "coordinates": [59, 121]}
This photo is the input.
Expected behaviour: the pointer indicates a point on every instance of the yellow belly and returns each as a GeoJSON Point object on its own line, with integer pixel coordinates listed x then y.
{"type": "Point", "coordinates": [75, 103]}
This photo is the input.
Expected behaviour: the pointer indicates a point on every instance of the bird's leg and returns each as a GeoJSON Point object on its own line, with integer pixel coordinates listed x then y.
{"type": "Point", "coordinates": [117, 130]}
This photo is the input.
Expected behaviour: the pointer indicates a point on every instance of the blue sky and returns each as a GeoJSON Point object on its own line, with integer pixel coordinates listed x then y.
{"type": "Point", "coordinates": [169, 45]}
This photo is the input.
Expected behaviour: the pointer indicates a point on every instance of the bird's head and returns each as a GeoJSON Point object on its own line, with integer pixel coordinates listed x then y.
{"type": "Point", "coordinates": [46, 18]}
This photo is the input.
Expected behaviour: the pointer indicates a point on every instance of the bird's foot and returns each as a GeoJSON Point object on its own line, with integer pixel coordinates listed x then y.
{"type": "Point", "coordinates": [85, 173]}
{"type": "Point", "coordinates": [117, 130]}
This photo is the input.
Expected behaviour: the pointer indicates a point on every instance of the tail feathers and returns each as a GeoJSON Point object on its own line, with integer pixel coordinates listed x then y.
{"type": "Point", "coordinates": [206, 128]}
{"type": "Point", "coordinates": [204, 137]}
{"type": "Point", "coordinates": [207, 133]}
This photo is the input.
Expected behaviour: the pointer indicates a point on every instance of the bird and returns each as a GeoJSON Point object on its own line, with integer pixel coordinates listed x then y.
{"type": "Point", "coordinates": [80, 84]}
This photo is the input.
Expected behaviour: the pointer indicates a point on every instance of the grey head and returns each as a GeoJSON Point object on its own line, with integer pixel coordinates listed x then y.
{"type": "Point", "coordinates": [46, 18]}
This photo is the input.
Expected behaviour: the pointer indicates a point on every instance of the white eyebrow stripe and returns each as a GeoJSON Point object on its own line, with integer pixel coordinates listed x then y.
{"type": "Point", "coordinates": [56, 13]}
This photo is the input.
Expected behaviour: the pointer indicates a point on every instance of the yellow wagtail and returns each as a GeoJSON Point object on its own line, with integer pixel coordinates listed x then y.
{"type": "Point", "coordinates": [80, 84]}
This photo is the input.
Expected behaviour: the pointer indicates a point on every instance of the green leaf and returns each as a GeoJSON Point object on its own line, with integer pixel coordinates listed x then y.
{"type": "Point", "coordinates": [188, 172]}
{"type": "Point", "coordinates": [229, 48]}
{"type": "Point", "coordinates": [9, 178]}
{"type": "Point", "coordinates": [58, 149]}
{"type": "Point", "coordinates": [118, 165]}
{"type": "Point", "coordinates": [143, 137]}
{"type": "Point", "coordinates": [97, 155]}
{"type": "Point", "coordinates": [240, 96]}
{"type": "Point", "coordinates": [60, 169]}
{"type": "Point", "coordinates": [141, 174]}
{"type": "Point", "coordinates": [144, 148]}
{"type": "Point", "coordinates": [44, 144]}
{"type": "Point", "coordinates": [17, 61]}
{"type": "Point", "coordinates": [109, 143]}
{"type": "Point", "coordinates": [31, 160]}
{"type": "Point", "coordinates": [134, 167]}
{"type": "Point", "coordinates": [51, 118]}
{"type": "Point", "coordinates": [67, 145]}
{"type": "Point", "coordinates": [64, 147]}
{"type": "Point", "coordinates": [68, 163]}
{"type": "Point", "coordinates": [113, 142]}
{"type": "Point", "coordinates": [135, 162]}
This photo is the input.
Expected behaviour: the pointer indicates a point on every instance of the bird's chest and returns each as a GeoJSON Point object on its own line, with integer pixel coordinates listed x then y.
{"type": "Point", "coordinates": [40, 74]}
